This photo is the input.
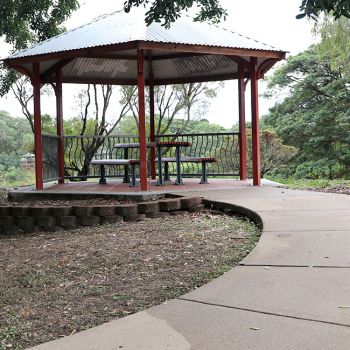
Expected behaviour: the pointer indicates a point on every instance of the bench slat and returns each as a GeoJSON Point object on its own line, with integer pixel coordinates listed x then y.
{"type": "Point", "coordinates": [190, 159]}
{"type": "Point", "coordinates": [134, 145]}
{"type": "Point", "coordinates": [174, 143]}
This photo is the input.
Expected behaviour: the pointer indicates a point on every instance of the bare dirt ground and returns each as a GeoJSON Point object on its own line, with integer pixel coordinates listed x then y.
{"type": "Point", "coordinates": [56, 284]}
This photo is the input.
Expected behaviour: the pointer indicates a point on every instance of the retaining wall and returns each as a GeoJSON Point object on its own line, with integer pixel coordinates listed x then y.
{"type": "Point", "coordinates": [25, 219]}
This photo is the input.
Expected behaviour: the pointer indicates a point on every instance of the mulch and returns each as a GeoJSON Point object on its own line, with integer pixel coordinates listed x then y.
{"type": "Point", "coordinates": [57, 203]}
{"type": "Point", "coordinates": [56, 284]}
{"type": "Point", "coordinates": [338, 189]}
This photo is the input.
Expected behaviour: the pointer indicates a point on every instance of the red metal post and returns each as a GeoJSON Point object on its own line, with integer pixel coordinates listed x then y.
{"type": "Point", "coordinates": [37, 127]}
{"type": "Point", "coordinates": [59, 124]}
{"type": "Point", "coordinates": [151, 113]}
{"type": "Point", "coordinates": [142, 119]}
{"type": "Point", "coordinates": [242, 126]}
{"type": "Point", "coordinates": [255, 121]}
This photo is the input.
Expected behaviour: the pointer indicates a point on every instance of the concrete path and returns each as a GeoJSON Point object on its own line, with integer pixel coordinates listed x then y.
{"type": "Point", "coordinates": [291, 292]}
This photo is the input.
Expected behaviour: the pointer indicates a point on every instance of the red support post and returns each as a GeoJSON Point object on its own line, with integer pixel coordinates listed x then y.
{"type": "Point", "coordinates": [242, 126]}
{"type": "Point", "coordinates": [142, 119]}
{"type": "Point", "coordinates": [152, 133]}
{"type": "Point", "coordinates": [255, 121]}
{"type": "Point", "coordinates": [37, 127]}
{"type": "Point", "coordinates": [59, 125]}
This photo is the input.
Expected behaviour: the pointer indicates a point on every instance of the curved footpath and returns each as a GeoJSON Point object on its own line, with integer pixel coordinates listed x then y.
{"type": "Point", "coordinates": [291, 292]}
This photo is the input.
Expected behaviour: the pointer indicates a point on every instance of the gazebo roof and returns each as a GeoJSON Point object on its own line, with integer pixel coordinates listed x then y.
{"type": "Point", "coordinates": [105, 51]}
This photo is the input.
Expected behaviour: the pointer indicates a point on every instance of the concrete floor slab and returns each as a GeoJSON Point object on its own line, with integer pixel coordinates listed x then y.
{"type": "Point", "coordinates": [208, 327]}
{"type": "Point", "coordinates": [302, 248]}
{"type": "Point", "coordinates": [264, 199]}
{"type": "Point", "coordinates": [309, 293]}
{"type": "Point", "coordinates": [138, 331]}
{"type": "Point", "coordinates": [256, 307]}
{"type": "Point", "coordinates": [331, 220]}
{"type": "Point", "coordinates": [182, 325]}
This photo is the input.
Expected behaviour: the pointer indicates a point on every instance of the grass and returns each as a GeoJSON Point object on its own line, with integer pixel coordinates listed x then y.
{"type": "Point", "coordinates": [11, 329]}
{"type": "Point", "coordinates": [311, 183]}
{"type": "Point", "coordinates": [27, 180]}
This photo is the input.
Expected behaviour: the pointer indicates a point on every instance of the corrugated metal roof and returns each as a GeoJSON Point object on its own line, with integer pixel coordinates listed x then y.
{"type": "Point", "coordinates": [118, 27]}
{"type": "Point", "coordinates": [100, 68]}
{"type": "Point", "coordinates": [193, 66]}
{"type": "Point", "coordinates": [196, 66]}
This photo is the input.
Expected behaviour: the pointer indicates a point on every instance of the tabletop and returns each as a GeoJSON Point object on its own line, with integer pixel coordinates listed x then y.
{"type": "Point", "coordinates": [134, 145]}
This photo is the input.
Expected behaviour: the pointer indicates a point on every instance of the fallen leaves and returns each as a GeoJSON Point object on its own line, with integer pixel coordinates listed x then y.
{"type": "Point", "coordinates": [89, 276]}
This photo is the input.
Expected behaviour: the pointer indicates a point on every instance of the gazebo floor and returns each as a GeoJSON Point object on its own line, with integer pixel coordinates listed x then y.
{"type": "Point", "coordinates": [83, 190]}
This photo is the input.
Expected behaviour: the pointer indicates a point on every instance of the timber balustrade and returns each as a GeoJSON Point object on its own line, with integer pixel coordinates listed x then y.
{"type": "Point", "coordinates": [80, 150]}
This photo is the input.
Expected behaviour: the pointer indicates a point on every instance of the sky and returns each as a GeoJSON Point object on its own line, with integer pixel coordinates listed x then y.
{"type": "Point", "coordinates": [270, 21]}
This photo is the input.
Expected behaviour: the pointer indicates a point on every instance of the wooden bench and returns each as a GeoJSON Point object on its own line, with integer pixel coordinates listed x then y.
{"type": "Point", "coordinates": [126, 162]}
{"type": "Point", "coordinates": [201, 160]}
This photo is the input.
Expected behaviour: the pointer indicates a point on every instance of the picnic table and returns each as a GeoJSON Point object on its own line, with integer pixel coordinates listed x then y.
{"type": "Point", "coordinates": [126, 147]}
{"type": "Point", "coordinates": [178, 145]}
{"type": "Point", "coordinates": [126, 162]}
{"type": "Point", "coordinates": [159, 145]}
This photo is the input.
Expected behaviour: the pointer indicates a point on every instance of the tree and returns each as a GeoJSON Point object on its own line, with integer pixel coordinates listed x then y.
{"type": "Point", "coordinates": [23, 92]}
{"type": "Point", "coordinates": [172, 103]}
{"type": "Point", "coordinates": [313, 8]}
{"type": "Point", "coordinates": [314, 117]}
{"type": "Point", "coordinates": [169, 11]}
{"type": "Point", "coordinates": [275, 156]}
{"type": "Point", "coordinates": [16, 137]}
{"type": "Point", "coordinates": [94, 100]}
{"type": "Point", "coordinates": [26, 22]}
{"type": "Point", "coordinates": [335, 41]}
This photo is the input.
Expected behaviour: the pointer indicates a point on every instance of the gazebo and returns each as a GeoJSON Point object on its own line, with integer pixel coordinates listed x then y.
{"type": "Point", "coordinates": [119, 49]}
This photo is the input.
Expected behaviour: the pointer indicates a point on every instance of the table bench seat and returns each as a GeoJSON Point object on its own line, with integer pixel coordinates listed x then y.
{"type": "Point", "coordinates": [113, 162]}
{"type": "Point", "coordinates": [201, 160]}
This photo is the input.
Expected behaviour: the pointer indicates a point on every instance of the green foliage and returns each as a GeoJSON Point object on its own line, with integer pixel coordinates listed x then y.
{"type": "Point", "coordinates": [313, 8]}
{"type": "Point", "coordinates": [127, 126]}
{"type": "Point", "coordinates": [276, 158]}
{"type": "Point", "coordinates": [318, 169]}
{"type": "Point", "coordinates": [13, 176]}
{"type": "Point", "coordinates": [335, 42]}
{"type": "Point", "coordinates": [16, 137]}
{"type": "Point", "coordinates": [10, 332]}
{"type": "Point", "coordinates": [169, 11]}
{"type": "Point", "coordinates": [294, 183]}
{"type": "Point", "coordinates": [314, 117]}
{"type": "Point", "coordinates": [7, 161]}
{"type": "Point", "coordinates": [25, 22]}
{"type": "Point", "coordinates": [48, 124]}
